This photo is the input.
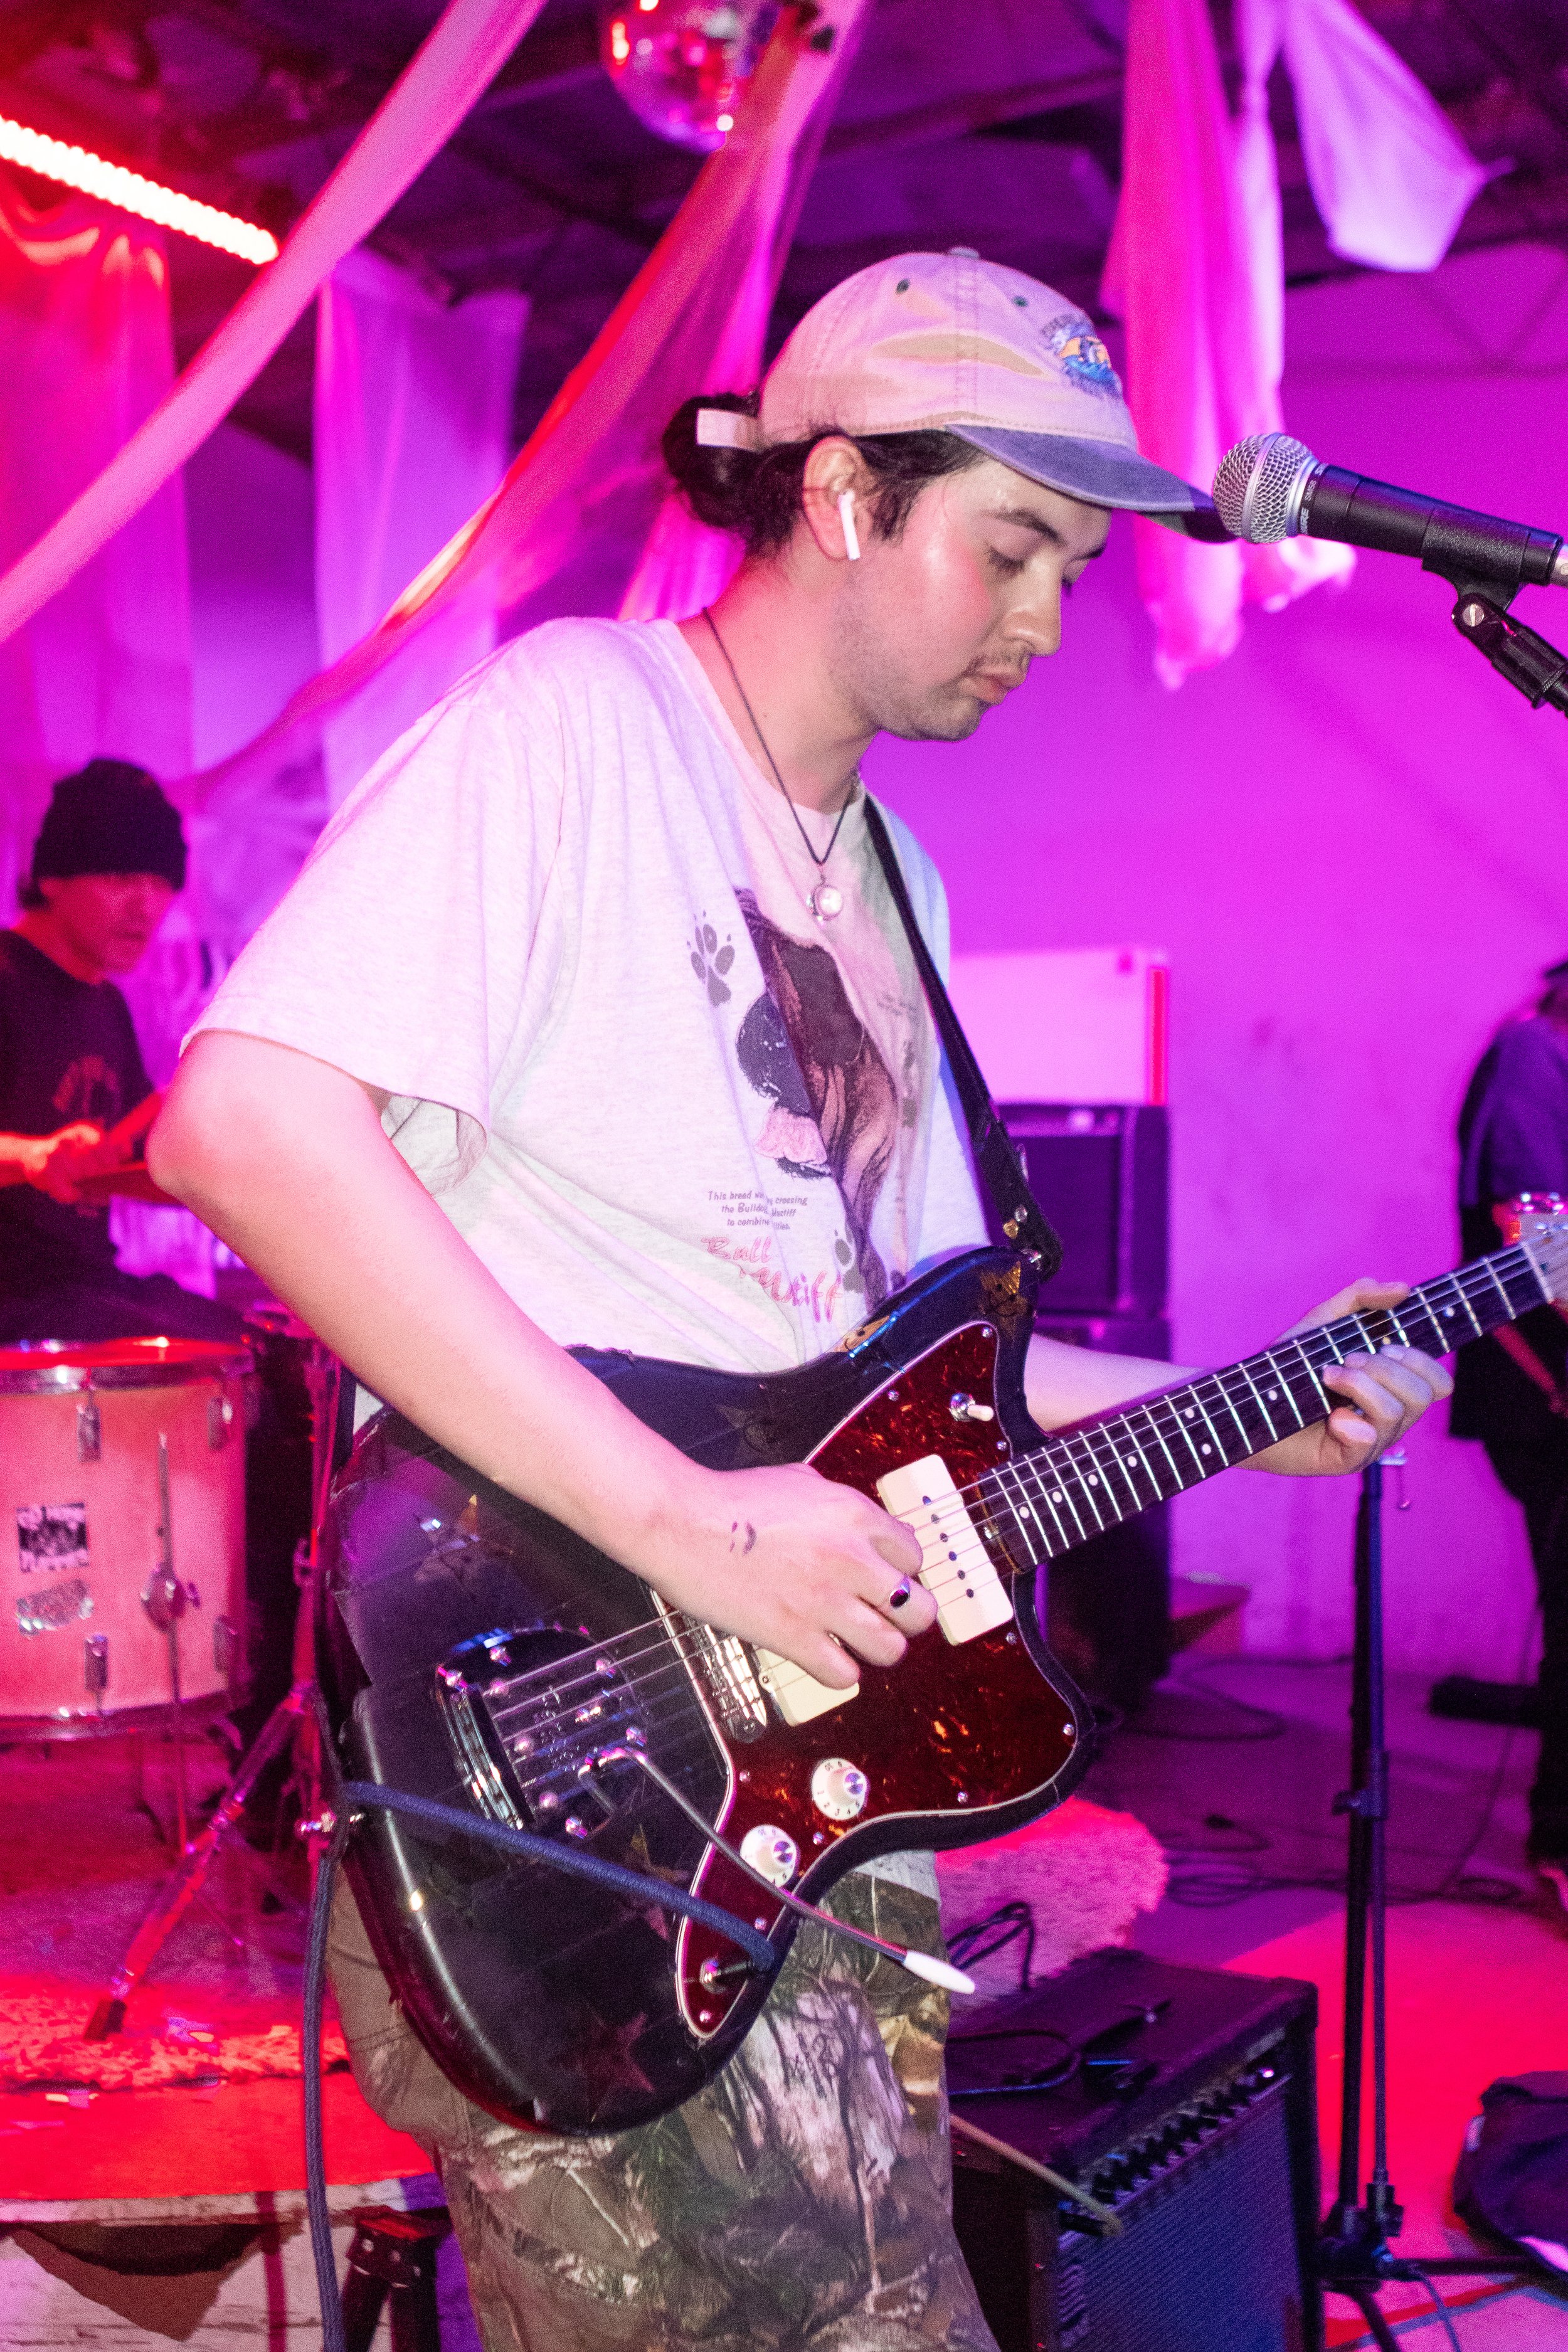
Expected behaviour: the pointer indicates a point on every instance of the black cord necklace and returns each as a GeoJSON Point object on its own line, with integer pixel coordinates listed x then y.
{"type": "Point", "coordinates": [825, 900]}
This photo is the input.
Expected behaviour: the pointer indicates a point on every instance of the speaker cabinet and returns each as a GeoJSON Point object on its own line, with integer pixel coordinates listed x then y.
{"type": "Point", "coordinates": [1107, 1604]}
{"type": "Point", "coordinates": [1183, 2101]}
{"type": "Point", "coordinates": [1101, 1172]}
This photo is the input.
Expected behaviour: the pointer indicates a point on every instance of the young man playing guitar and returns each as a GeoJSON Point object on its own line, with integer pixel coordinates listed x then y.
{"type": "Point", "coordinates": [592, 1023]}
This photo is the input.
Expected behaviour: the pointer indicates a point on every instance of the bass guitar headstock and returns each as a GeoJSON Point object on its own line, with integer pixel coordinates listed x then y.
{"type": "Point", "coordinates": [1539, 1221]}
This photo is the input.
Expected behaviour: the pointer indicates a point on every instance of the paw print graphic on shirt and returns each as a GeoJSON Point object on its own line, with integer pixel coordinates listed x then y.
{"type": "Point", "coordinates": [711, 962]}
{"type": "Point", "coordinates": [849, 1273]}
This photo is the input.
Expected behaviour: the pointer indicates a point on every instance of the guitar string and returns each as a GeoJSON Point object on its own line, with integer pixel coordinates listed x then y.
{"type": "Point", "coordinates": [792, 1674]}
{"type": "Point", "coordinates": [1487, 1272]}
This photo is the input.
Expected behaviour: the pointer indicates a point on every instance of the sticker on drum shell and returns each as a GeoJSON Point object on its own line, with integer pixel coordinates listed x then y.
{"type": "Point", "coordinates": [51, 1537]}
{"type": "Point", "coordinates": [45, 1608]}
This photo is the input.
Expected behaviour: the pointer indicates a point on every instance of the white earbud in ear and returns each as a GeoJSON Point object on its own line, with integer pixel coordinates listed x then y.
{"type": "Point", "coordinates": [847, 516]}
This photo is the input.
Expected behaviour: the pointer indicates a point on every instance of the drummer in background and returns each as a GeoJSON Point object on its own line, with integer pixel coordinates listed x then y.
{"type": "Point", "coordinates": [75, 1099]}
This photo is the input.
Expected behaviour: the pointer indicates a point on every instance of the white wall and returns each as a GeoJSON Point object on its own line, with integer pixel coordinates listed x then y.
{"type": "Point", "coordinates": [1351, 838]}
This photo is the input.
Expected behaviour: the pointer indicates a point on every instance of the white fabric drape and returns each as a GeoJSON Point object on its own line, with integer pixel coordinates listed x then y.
{"type": "Point", "coordinates": [590, 482]}
{"type": "Point", "coordinates": [88, 354]}
{"type": "Point", "coordinates": [1389, 173]}
{"type": "Point", "coordinates": [468, 47]}
{"type": "Point", "coordinates": [413, 416]}
{"type": "Point", "coordinates": [105, 669]}
{"type": "Point", "coordinates": [1196, 265]}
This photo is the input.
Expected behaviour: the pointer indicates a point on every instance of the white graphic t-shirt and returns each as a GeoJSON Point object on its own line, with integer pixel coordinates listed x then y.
{"type": "Point", "coordinates": [563, 923]}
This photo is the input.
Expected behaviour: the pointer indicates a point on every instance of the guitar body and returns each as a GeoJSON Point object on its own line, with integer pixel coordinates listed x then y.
{"type": "Point", "coordinates": [475, 1652]}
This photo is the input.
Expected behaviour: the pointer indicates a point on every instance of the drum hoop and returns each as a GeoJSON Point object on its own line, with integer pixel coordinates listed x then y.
{"type": "Point", "coordinates": [160, 1716]}
{"type": "Point", "coordinates": [66, 1379]}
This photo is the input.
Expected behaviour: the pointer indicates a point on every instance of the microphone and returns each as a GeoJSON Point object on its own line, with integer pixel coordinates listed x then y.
{"type": "Point", "coordinates": [1271, 486]}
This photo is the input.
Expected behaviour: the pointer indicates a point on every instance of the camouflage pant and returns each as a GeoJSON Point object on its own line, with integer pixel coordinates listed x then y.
{"type": "Point", "coordinates": [802, 2201]}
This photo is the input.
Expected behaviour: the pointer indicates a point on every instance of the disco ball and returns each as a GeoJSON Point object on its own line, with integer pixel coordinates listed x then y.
{"type": "Point", "coordinates": [682, 66]}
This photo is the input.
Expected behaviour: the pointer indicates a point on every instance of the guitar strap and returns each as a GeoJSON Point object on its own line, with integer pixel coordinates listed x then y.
{"type": "Point", "coordinates": [1018, 1212]}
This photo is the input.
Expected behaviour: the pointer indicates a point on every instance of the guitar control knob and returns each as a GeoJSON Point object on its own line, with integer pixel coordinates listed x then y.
{"type": "Point", "coordinates": [839, 1788]}
{"type": "Point", "coordinates": [772, 1852]}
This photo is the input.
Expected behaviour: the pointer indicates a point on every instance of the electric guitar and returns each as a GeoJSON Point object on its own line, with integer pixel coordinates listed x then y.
{"type": "Point", "coordinates": [474, 1651]}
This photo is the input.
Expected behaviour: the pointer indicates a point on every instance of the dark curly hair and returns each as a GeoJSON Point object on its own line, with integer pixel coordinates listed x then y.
{"type": "Point", "coordinates": [759, 494]}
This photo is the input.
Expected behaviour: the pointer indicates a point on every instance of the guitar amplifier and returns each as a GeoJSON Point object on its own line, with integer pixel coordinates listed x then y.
{"type": "Point", "coordinates": [1107, 1605]}
{"type": "Point", "coordinates": [1183, 2100]}
{"type": "Point", "coordinates": [1101, 1172]}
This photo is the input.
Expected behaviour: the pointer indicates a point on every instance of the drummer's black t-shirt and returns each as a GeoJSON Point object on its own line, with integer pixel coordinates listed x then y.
{"type": "Point", "coordinates": [67, 1051]}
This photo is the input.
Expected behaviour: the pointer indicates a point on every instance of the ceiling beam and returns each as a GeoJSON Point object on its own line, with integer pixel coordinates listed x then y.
{"type": "Point", "coordinates": [927, 126]}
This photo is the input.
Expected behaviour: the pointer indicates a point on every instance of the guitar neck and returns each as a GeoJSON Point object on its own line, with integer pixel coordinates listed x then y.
{"type": "Point", "coordinates": [1097, 1473]}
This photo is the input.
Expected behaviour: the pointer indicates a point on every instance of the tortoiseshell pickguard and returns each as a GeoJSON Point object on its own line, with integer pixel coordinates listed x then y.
{"type": "Point", "coordinates": [943, 1738]}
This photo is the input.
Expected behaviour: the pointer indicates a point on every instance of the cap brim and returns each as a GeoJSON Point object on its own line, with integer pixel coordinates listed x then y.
{"type": "Point", "coordinates": [1100, 473]}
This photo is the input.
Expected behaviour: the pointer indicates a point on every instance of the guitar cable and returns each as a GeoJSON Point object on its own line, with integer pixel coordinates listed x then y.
{"type": "Point", "coordinates": [919, 1964]}
{"type": "Point", "coordinates": [357, 1797]}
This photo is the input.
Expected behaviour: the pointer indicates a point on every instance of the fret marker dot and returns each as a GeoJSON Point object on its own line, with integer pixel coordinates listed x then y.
{"type": "Point", "coordinates": [1273, 1395]}
{"type": "Point", "coordinates": [1202, 1449]}
{"type": "Point", "coordinates": [1190, 1414]}
{"type": "Point", "coordinates": [1056, 1498]}
{"type": "Point", "coordinates": [1093, 1479]}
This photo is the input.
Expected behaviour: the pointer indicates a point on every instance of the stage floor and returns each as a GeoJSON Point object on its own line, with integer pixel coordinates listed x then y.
{"type": "Point", "coordinates": [1234, 1764]}
{"type": "Point", "coordinates": [1478, 1989]}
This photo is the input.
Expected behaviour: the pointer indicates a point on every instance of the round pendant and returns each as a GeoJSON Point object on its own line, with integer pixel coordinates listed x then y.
{"type": "Point", "coordinates": [825, 902]}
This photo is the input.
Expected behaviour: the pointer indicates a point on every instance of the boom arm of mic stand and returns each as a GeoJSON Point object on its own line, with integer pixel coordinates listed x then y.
{"type": "Point", "coordinates": [1521, 654]}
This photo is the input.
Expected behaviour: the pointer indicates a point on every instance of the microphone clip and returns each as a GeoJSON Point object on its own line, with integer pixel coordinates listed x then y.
{"type": "Point", "coordinates": [1521, 654]}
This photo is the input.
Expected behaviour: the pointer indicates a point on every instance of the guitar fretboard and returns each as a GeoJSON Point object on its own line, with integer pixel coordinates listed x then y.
{"type": "Point", "coordinates": [1097, 1473]}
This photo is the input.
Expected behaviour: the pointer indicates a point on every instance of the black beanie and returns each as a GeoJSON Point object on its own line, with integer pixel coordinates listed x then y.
{"type": "Point", "coordinates": [109, 818]}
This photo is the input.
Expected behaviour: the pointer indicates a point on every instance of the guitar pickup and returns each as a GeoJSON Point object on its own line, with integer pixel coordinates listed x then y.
{"type": "Point", "coordinates": [955, 1566]}
{"type": "Point", "coordinates": [798, 1697]}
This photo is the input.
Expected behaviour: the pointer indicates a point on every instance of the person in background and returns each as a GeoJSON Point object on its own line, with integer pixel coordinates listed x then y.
{"type": "Point", "coordinates": [1510, 1390]}
{"type": "Point", "coordinates": [75, 1098]}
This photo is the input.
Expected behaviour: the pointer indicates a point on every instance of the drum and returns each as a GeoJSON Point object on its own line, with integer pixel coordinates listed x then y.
{"type": "Point", "coordinates": [122, 1512]}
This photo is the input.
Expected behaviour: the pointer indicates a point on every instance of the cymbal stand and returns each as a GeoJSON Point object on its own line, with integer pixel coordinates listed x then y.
{"type": "Point", "coordinates": [1354, 2257]}
{"type": "Point", "coordinates": [275, 1735]}
{"type": "Point", "coordinates": [164, 1599]}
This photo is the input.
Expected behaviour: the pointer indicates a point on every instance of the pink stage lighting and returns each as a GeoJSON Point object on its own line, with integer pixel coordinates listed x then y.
{"type": "Point", "coordinates": [77, 167]}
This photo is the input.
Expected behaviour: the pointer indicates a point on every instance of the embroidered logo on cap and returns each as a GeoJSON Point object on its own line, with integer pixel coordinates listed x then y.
{"type": "Point", "coordinates": [1084, 358]}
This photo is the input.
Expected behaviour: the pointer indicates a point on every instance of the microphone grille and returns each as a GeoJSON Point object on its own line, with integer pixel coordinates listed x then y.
{"type": "Point", "coordinates": [1258, 485]}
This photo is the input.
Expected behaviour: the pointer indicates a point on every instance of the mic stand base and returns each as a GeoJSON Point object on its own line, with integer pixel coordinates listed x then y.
{"type": "Point", "coordinates": [1353, 2255]}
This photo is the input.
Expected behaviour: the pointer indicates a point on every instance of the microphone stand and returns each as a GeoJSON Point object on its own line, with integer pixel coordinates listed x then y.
{"type": "Point", "coordinates": [1355, 2257]}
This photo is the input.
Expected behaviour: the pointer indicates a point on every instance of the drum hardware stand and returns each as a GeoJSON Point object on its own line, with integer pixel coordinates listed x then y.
{"type": "Point", "coordinates": [164, 1599]}
{"type": "Point", "coordinates": [331, 1401]}
{"type": "Point", "coordinates": [1355, 2257]}
{"type": "Point", "coordinates": [273, 1739]}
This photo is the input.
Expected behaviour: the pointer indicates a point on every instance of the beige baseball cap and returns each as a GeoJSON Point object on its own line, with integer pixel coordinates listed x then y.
{"type": "Point", "coordinates": [947, 340]}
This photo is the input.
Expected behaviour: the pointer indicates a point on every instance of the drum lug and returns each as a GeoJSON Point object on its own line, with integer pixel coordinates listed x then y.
{"type": "Point", "coordinates": [225, 1648]}
{"type": "Point", "coordinates": [95, 1665]}
{"type": "Point", "coordinates": [164, 1598]}
{"type": "Point", "coordinates": [220, 1418]}
{"type": "Point", "coordinates": [89, 1433]}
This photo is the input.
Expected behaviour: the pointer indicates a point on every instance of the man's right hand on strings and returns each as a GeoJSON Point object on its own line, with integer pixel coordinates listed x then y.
{"type": "Point", "coordinates": [791, 1560]}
